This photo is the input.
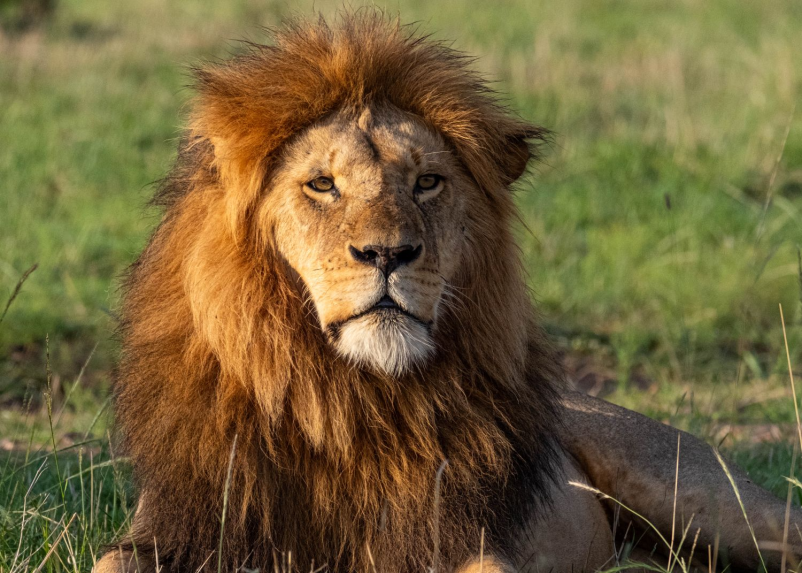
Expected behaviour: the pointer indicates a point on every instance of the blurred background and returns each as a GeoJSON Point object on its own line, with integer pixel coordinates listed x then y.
{"type": "Point", "coordinates": [661, 232]}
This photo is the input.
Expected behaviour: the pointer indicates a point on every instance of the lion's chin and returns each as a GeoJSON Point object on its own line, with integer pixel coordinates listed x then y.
{"type": "Point", "coordinates": [390, 343]}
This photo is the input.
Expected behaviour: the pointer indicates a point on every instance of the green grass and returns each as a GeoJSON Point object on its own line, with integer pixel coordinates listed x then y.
{"type": "Point", "coordinates": [61, 516]}
{"type": "Point", "coordinates": [661, 231]}
{"type": "Point", "coordinates": [653, 103]}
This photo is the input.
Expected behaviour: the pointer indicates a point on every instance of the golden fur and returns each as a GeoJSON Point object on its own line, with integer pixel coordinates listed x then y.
{"type": "Point", "coordinates": [253, 317]}
{"type": "Point", "coordinates": [331, 460]}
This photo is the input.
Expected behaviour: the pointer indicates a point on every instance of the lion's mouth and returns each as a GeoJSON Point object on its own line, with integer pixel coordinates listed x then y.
{"type": "Point", "coordinates": [386, 304]}
{"type": "Point", "coordinates": [384, 336]}
{"type": "Point", "coordinates": [387, 307]}
{"type": "Point", "coordinates": [384, 311]}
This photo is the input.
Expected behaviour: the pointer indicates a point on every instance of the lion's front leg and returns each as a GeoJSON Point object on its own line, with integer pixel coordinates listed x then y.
{"type": "Point", "coordinates": [117, 561]}
{"type": "Point", "coordinates": [634, 459]}
{"type": "Point", "coordinates": [487, 564]}
{"type": "Point", "coordinates": [124, 560]}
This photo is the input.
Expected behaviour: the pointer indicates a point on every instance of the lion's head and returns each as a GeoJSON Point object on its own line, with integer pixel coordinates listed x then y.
{"type": "Point", "coordinates": [371, 211]}
{"type": "Point", "coordinates": [335, 282]}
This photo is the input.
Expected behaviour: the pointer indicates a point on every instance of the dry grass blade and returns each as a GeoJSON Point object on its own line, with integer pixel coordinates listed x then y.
{"type": "Point", "coordinates": [715, 551]}
{"type": "Point", "coordinates": [674, 512]}
{"type": "Point", "coordinates": [225, 505]}
{"type": "Point", "coordinates": [681, 560]}
{"type": "Point", "coordinates": [603, 495]}
{"type": "Point", "coordinates": [202, 565]}
{"type": "Point", "coordinates": [437, 482]}
{"type": "Point", "coordinates": [791, 375]}
{"type": "Point", "coordinates": [799, 434]}
{"type": "Point", "coordinates": [17, 288]}
{"type": "Point", "coordinates": [693, 547]}
{"type": "Point", "coordinates": [482, 552]}
{"type": "Point", "coordinates": [156, 553]}
{"type": "Point", "coordinates": [740, 504]}
{"type": "Point", "coordinates": [370, 559]}
{"type": "Point", "coordinates": [55, 545]}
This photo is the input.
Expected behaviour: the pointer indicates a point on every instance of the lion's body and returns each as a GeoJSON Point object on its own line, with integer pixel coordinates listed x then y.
{"type": "Point", "coordinates": [352, 337]}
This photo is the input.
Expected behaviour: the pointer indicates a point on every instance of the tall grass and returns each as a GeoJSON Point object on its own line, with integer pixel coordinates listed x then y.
{"type": "Point", "coordinates": [58, 515]}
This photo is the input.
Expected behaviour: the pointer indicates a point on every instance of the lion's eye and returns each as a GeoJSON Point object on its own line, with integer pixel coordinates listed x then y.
{"type": "Point", "coordinates": [321, 184]}
{"type": "Point", "coordinates": [428, 182]}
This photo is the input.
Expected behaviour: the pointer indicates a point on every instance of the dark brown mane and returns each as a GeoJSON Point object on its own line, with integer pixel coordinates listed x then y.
{"type": "Point", "coordinates": [217, 342]}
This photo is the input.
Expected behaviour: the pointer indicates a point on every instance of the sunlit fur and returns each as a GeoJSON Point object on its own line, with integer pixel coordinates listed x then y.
{"type": "Point", "coordinates": [373, 162]}
{"type": "Point", "coordinates": [224, 335]}
{"type": "Point", "coordinates": [392, 345]}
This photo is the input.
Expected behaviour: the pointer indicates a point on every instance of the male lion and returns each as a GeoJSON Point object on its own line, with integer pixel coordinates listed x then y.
{"type": "Point", "coordinates": [333, 306]}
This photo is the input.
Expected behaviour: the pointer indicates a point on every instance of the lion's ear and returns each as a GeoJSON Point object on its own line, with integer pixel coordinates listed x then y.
{"type": "Point", "coordinates": [521, 146]}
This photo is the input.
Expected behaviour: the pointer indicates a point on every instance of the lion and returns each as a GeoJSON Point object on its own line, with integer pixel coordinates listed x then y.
{"type": "Point", "coordinates": [330, 357]}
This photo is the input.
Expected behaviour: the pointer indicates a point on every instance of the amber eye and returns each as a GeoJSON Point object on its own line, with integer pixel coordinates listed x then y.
{"type": "Point", "coordinates": [321, 184]}
{"type": "Point", "coordinates": [428, 182]}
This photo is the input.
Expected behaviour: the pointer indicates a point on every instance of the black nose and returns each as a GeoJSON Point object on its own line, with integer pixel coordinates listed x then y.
{"type": "Point", "coordinates": [386, 259]}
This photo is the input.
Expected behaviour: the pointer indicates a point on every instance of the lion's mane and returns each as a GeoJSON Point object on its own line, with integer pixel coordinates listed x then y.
{"type": "Point", "coordinates": [334, 464]}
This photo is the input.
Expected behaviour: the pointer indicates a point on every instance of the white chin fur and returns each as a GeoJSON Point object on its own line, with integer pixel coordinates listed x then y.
{"type": "Point", "coordinates": [391, 345]}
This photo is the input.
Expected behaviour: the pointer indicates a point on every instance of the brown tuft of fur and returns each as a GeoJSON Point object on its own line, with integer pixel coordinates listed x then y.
{"type": "Point", "coordinates": [217, 341]}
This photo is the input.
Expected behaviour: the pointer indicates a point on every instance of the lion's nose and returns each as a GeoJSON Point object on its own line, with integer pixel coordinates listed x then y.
{"type": "Point", "coordinates": [386, 259]}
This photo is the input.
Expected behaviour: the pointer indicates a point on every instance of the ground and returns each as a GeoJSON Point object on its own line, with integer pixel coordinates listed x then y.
{"type": "Point", "coordinates": [661, 232]}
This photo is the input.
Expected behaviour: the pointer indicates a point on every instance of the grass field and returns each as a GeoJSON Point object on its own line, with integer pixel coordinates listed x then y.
{"type": "Point", "coordinates": [661, 233]}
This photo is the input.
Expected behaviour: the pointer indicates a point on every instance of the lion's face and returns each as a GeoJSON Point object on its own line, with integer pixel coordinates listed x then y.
{"type": "Point", "coordinates": [368, 211]}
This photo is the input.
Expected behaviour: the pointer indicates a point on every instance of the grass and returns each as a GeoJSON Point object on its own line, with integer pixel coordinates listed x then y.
{"type": "Point", "coordinates": [58, 517]}
{"type": "Point", "coordinates": [661, 230]}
